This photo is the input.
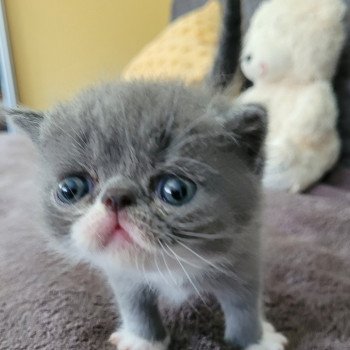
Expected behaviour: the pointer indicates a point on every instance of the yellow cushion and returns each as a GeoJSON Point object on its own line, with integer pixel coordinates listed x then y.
{"type": "Point", "coordinates": [185, 50]}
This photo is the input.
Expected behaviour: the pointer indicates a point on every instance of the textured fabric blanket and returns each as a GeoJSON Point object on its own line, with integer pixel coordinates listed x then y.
{"type": "Point", "coordinates": [47, 304]}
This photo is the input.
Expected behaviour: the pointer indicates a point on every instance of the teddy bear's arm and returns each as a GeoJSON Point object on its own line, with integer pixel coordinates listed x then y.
{"type": "Point", "coordinates": [315, 113]}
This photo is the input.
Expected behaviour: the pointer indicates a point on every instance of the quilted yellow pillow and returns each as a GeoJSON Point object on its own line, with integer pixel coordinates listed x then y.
{"type": "Point", "coordinates": [185, 50]}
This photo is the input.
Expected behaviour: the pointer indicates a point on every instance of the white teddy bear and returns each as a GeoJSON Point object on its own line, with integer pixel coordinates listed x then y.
{"type": "Point", "coordinates": [290, 53]}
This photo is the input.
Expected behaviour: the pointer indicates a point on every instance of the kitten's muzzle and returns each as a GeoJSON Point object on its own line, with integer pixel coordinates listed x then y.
{"type": "Point", "coordinates": [117, 199]}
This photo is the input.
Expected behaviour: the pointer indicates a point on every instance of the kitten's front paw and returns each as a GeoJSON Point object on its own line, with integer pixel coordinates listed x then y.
{"type": "Point", "coordinates": [271, 340]}
{"type": "Point", "coordinates": [125, 340]}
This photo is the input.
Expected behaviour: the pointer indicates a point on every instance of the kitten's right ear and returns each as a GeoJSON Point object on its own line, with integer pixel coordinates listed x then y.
{"type": "Point", "coordinates": [26, 120]}
{"type": "Point", "coordinates": [248, 126]}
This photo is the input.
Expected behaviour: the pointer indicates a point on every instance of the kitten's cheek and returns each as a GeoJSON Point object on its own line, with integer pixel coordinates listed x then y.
{"type": "Point", "coordinates": [139, 236]}
{"type": "Point", "coordinates": [89, 232]}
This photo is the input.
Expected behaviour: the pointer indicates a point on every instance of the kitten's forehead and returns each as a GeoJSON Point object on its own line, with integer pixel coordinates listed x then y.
{"type": "Point", "coordinates": [125, 124]}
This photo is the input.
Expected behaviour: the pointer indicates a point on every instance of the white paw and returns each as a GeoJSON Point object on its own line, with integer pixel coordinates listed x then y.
{"type": "Point", "coordinates": [125, 340]}
{"type": "Point", "coordinates": [271, 340]}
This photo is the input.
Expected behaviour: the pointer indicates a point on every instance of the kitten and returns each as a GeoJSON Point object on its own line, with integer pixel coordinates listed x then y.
{"type": "Point", "coordinates": [158, 185]}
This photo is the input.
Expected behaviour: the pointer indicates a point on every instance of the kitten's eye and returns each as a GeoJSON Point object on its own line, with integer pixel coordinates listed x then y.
{"type": "Point", "coordinates": [175, 190]}
{"type": "Point", "coordinates": [73, 188]}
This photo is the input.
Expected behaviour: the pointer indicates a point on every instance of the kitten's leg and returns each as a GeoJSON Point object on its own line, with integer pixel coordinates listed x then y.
{"type": "Point", "coordinates": [142, 328]}
{"type": "Point", "coordinates": [242, 317]}
{"type": "Point", "coordinates": [243, 322]}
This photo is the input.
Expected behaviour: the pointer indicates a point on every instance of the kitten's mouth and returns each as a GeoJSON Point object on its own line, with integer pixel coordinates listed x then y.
{"type": "Point", "coordinates": [117, 235]}
{"type": "Point", "coordinates": [121, 233]}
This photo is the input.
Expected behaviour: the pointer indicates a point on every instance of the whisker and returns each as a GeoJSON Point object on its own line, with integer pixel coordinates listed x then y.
{"type": "Point", "coordinates": [75, 141]}
{"type": "Point", "coordinates": [197, 162]}
{"type": "Point", "coordinates": [190, 140]}
{"type": "Point", "coordinates": [81, 142]}
{"type": "Point", "coordinates": [201, 257]}
{"type": "Point", "coordinates": [226, 272]}
{"type": "Point", "coordinates": [192, 125]}
{"type": "Point", "coordinates": [58, 216]}
{"type": "Point", "coordinates": [144, 273]}
{"type": "Point", "coordinates": [159, 270]}
{"type": "Point", "coordinates": [187, 274]}
{"type": "Point", "coordinates": [192, 307]}
{"type": "Point", "coordinates": [165, 263]}
{"type": "Point", "coordinates": [137, 262]}
{"type": "Point", "coordinates": [182, 259]}
{"type": "Point", "coordinates": [195, 223]}
{"type": "Point", "coordinates": [196, 235]}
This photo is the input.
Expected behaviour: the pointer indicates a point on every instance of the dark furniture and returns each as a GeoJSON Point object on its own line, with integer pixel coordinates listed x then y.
{"type": "Point", "coordinates": [341, 81]}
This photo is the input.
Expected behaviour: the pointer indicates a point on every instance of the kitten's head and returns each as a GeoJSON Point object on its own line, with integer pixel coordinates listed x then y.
{"type": "Point", "coordinates": [148, 170]}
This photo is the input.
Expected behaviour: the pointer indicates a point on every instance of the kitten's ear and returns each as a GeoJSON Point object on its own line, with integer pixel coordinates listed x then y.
{"type": "Point", "coordinates": [26, 120]}
{"type": "Point", "coordinates": [248, 125]}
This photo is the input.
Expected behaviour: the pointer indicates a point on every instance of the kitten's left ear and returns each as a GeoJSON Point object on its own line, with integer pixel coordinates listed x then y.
{"type": "Point", "coordinates": [248, 126]}
{"type": "Point", "coordinates": [26, 120]}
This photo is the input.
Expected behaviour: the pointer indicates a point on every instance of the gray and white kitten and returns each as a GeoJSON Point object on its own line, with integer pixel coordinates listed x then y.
{"type": "Point", "coordinates": [158, 185]}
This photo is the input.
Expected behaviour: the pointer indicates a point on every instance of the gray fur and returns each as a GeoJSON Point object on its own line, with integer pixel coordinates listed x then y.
{"type": "Point", "coordinates": [138, 308]}
{"type": "Point", "coordinates": [125, 135]}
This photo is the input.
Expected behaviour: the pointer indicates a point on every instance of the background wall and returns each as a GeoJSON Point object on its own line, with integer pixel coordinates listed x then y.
{"type": "Point", "coordinates": [60, 46]}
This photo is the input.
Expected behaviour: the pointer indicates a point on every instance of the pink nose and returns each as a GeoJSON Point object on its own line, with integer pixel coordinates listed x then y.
{"type": "Point", "coordinates": [117, 199]}
{"type": "Point", "coordinates": [263, 68]}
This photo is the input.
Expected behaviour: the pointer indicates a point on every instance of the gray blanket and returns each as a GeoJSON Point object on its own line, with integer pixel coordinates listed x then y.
{"type": "Point", "coordinates": [47, 304]}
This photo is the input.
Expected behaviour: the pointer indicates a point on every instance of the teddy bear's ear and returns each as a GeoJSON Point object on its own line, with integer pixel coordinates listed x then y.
{"type": "Point", "coordinates": [248, 126]}
{"type": "Point", "coordinates": [26, 120]}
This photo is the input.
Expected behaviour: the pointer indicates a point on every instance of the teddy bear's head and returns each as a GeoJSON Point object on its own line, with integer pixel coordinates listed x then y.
{"type": "Point", "coordinates": [294, 40]}
{"type": "Point", "coordinates": [263, 61]}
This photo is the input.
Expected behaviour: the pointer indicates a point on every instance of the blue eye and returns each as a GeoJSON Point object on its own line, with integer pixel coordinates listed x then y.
{"type": "Point", "coordinates": [72, 189]}
{"type": "Point", "coordinates": [175, 190]}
